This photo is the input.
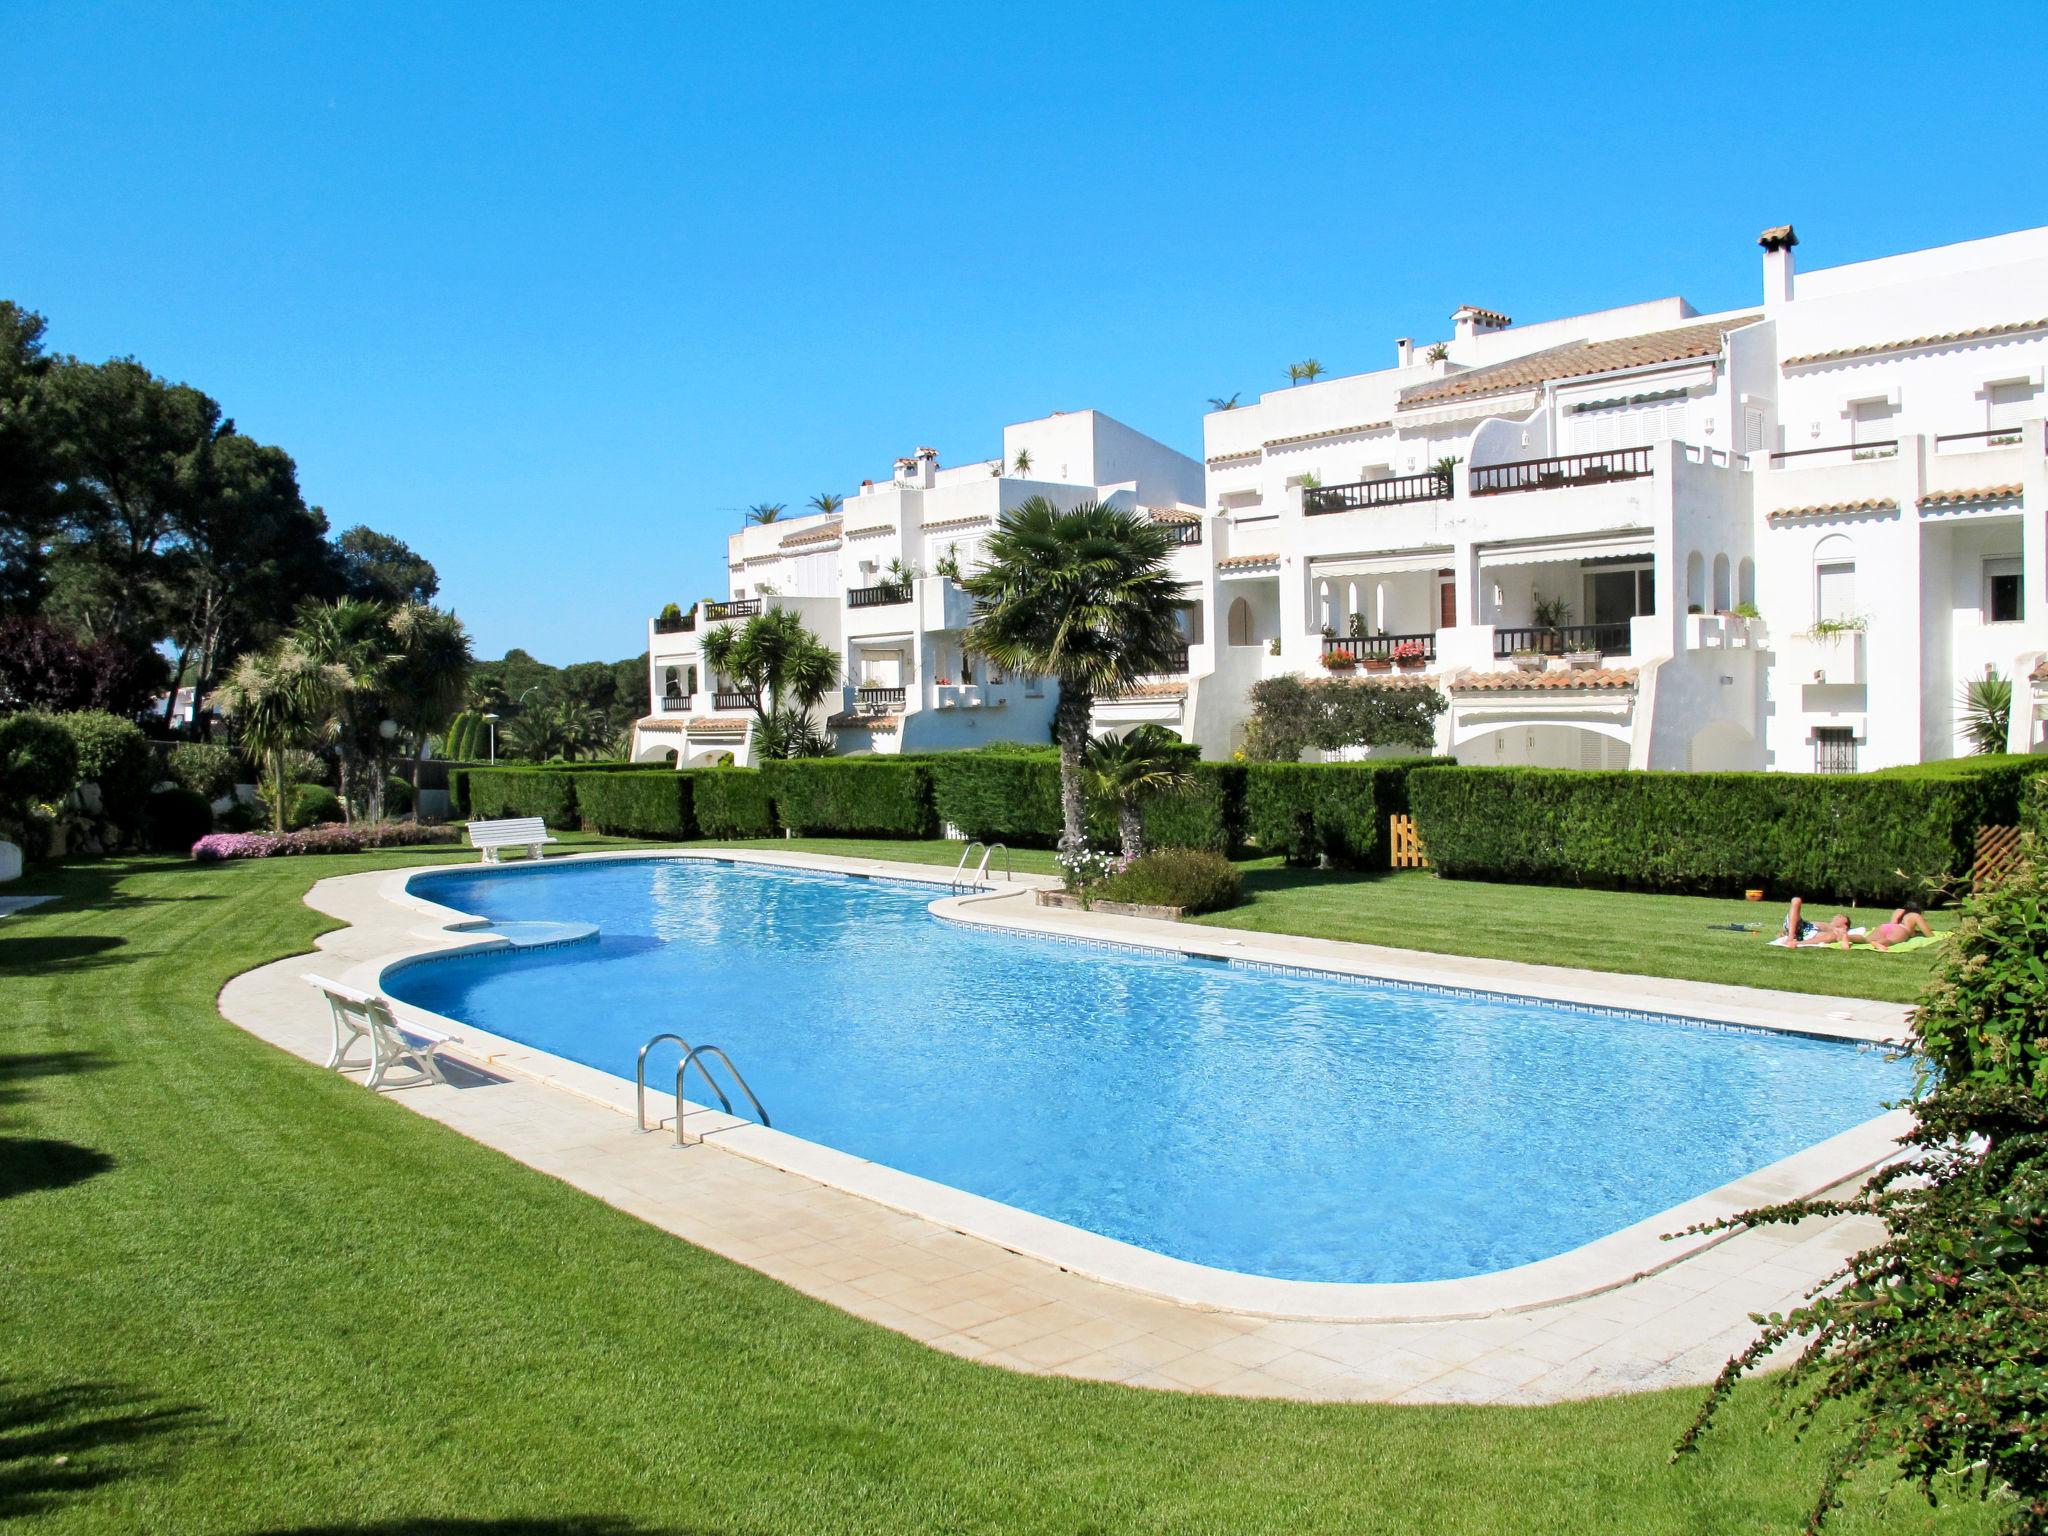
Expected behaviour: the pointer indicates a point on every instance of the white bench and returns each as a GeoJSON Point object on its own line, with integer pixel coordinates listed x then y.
{"type": "Point", "coordinates": [528, 832]}
{"type": "Point", "coordinates": [365, 1016]}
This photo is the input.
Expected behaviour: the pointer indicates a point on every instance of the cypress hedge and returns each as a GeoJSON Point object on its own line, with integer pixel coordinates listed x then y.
{"type": "Point", "coordinates": [857, 796]}
{"type": "Point", "coordinates": [492, 793]}
{"type": "Point", "coordinates": [1211, 815]}
{"type": "Point", "coordinates": [732, 802]}
{"type": "Point", "coordinates": [1335, 811]}
{"type": "Point", "coordinates": [650, 803]}
{"type": "Point", "coordinates": [1875, 837]}
{"type": "Point", "coordinates": [1000, 796]}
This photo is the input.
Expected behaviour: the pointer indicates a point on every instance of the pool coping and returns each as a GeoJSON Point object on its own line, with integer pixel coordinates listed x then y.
{"type": "Point", "coordinates": [1604, 1264]}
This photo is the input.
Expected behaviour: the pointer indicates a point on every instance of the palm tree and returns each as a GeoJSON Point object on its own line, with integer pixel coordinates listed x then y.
{"type": "Point", "coordinates": [351, 637]}
{"type": "Point", "coordinates": [1986, 704]}
{"type": "Point", "coordinates": [1218, 403]}
{"type": "Point", "coordinates": [1085, 597]}
{"type": "Point", "coordinates": [785, 668]}
{"type": "Point", "coordinates": [764, 511]}
{"type": "Point", "coordinates": [1294, 373]}
{"type": "Point", "coordinates": [1145, 762]}
{"type": "Point", "coordinates": [426, 681]}
{"type": "Point", "coordinates": [557, 727]}
{"type": "Point", "coordinates": [827, 503]}
{"type": "Point", "coordinates": [1022, 463]}
{"type": "Point", "coordinates": [1305, 372]}
{"type": "Point", "coordinates": [278, 700]}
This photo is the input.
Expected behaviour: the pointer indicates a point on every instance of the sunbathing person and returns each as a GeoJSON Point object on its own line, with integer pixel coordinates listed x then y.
{"type": "Point", "coordinates": [1808, 935]}
{"type": "Point", "coordinates": [1907, 922]}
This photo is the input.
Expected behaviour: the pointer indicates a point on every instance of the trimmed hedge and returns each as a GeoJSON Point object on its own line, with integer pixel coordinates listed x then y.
{"type": "Point", "coordinates": [857, 796]}
{"type": "Point", "coordinates": [651, 803]}
{"type": "Point", "coordinates": [493, 793]}
{"type": "Point", "coordinates": [1876, 837]}
{"type": "Point", "coordinates": [2033, 815]}
{"type": "Point", "coordinates": [114, 754]}
{"type": "Point", "coordinates": [1336, 811]}
{"type": "Point", "coordinates": [1209, 816]}
{"type": "Point", "coordinates": [732, 802]}
{"type": "Point", "coordinates": [1006, 796]}
{"type": "Point", "coordinates": [313, 805]}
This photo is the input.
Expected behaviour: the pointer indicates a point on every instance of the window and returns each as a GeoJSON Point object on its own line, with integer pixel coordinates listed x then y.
{"type": "Point", "coordinates": [2011, 403]}
{"type": "Point", "coordinates": [1873, 421]}
{"type": "Point", "coordinates": [2003, 603]}
{"type": "Point", "coordinates": [1834, 749]}
{"type": "Point", "coordinates": [1615, 597]}
{"type": "Point", "coordinates": [1190, 623]}
{"type": "Point", "coordinates": [1834, 589]}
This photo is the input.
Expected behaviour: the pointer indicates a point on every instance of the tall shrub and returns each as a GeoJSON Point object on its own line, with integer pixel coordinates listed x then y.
{"type": "Point", "coordinates": [1211, 815]}
{"type": "Point", "coordinates": [1336, 811]}
{"type": "Point", "coordinates": [114, 754]}
{"type": "Point", "coordinates": [732, 802]}
{"type": "Point", "coordinates": [853, 796]}
{"type": "Point", "coordinates": [643, 804]}
{"type": "Point", "coordinates": [1010, 796]}
{"type": "Point", "coordinates": [495, 793]}
{"type": "Point", "coordinates": [38, 762]}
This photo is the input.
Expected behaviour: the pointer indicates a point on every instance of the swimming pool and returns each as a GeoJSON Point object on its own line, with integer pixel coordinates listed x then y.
{"type": "Point", "coordinates": [1267, 1122]}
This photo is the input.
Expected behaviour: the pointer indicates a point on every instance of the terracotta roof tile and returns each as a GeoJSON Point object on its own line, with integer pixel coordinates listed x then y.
{"type": "Point", "coordinates": [1778, 237]}
{"type": "Point", "coordinates": [1310, 437]}
{"type": "Point", "coordinates": [1363, 678]}
{"type": "Point", "coordinates": [1943, 339]}
{"type": "Point", "coordinates": [955, 522]}
{"type": "Point", "coordinates": [1244, 562]}
{"type": "Point", "coordinates": [701, 724]}
{"type": "Point", "coordinates": [870, 530]}
{"type": "Point", "coordinates": [851, 720]}
{"type": "Point", "coordinates": [1578, 359]}
{"type": "Point", "coordinates": [1964, 498]}
{"type": "Point", "coordinates": [1173, 515]}
{"type": "Point", "coordinates": [822, 534]}
{"type": "Point", "coordinates": [2041, 670]}
{"type": "Point", "coordinates": [1483, 316]}
{"type": "Point", "coordinates": [1837, 508]}
{"type": "Point", "coordinates": [1246, 457]}
{"type": "Point", "coordinates": [1593, 679]}
{"type": "Point", "coordinates": [1151, 691]}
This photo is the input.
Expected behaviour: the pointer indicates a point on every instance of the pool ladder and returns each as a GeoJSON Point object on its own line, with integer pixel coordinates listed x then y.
{"type": "Point", "coordinates": [693, 1055]}
{"type": "Point", "coordinates": [988, 851]}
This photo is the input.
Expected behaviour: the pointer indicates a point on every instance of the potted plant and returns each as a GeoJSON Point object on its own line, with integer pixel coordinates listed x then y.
{"type": "Point", "coordinates": [1527, 659]}
{"type": "Point", "coordinates": [1338, 661]}
{"type": "Point", "coordinates": [1408, 655]}
{"type": "Point", "coordinates": [1357, 626]}
{"type": "Point", "coordinates": [1552, 614]}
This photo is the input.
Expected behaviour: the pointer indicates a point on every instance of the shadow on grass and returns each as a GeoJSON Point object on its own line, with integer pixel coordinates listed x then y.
{"type": "Point", "coordinates": [516, 1525]}
{"type": "Point", "coordinates": [19, 1066]}
{"type": "Point", "coordinates": [28, 1164]}
{"type": "Point", "coordinates": [63, 1442]}
{"type": "Point", "coordinates": [61, 953]}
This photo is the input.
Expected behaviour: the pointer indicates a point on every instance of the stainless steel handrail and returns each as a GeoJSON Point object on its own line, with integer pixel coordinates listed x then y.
{"type": "Point", "coordinates": [988, 852]}
{"type": "Point", "coordinates": [960, 869]}
{"type": "Point", "coordinates": [725, 1103]}
{"type": "Point", "coordinates": [640, 1079]}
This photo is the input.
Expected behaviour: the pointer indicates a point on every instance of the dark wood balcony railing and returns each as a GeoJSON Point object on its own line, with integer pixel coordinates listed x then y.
{"type": "Point", "coordinates": [676, 626]}
{"type": "Point", "coordinates": [1182, 533]}
{"type": "Point", "coordinates": [1607, 639]}
{"type": "Point", "coordinates": [1883, 448]}
{"type": "Point", "coordinates": [878, 597]}
{"type": "Point", "coordinates": [674, 703]}
{"type": "Point", "coordinates": [878, 699]}
{"type": "Point", "coordinates": [1377, 647]}
{"type": "Point", "coordinates": [1176, 662]}
{"type": "Point", "coordinates": [1563, 470]}
{"type": "Point", "coordinates": [1393, 492]}
{"type": "Point", "coordinates": [743, 608]}
{"type": "Point", "coordinates": [1996, 437]}
{"type": "Point", "coordinates": [732, 701]}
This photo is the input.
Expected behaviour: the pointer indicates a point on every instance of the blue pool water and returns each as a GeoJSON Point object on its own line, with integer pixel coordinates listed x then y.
{"type": "Point", "coordinates": [1258, 1121]}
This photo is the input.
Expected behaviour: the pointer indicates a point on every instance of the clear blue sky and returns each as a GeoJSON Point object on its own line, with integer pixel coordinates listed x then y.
{"type": "Point", "coordinates": [552, 291]}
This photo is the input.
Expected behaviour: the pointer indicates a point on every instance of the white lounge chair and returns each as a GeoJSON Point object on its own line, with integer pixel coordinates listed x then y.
{"type": "Point", "coordinates": [489, 837]}
{"type": "Point", "coordinates": [365, 1016]}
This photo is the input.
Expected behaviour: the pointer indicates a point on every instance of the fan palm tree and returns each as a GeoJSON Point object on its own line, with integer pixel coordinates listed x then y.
{"type": "Point", "coordinates": [1085, 597]}
{"type": "Point", "coordinates": [1306, 372]}
{"type": "Point", "coordinates": [1144, 763]}
{"type": "Point", "coordinates": [785, 668]}
{"type": "Point", "coordinates": [279, 700]}
{"type": "Point", "coordinates": [1022, 463]}
{"type": "Point", "coordinates": [827, 503]}
{"type": "Point", "coordinates": [426, 680]}
{"type": "Point", "coordinates": [1986, 704]}
{"type": "Point", "coordinates": [1218, 403]}
{"type": "Point", "coordinates": [350, 636]}
{"type": "Point", "coordinates": [765, 511]}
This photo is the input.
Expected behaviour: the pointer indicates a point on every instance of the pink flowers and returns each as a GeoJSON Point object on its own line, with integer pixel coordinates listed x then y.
{"type": "Point", "coordinates": [217, 847]}
{"type": "Point", "coordinates": [1408, 652]}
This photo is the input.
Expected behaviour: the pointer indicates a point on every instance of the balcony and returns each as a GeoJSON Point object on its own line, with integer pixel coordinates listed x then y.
{"type": "Point", "coordinates": [1176, 664]}
{"type": "Point", "coordinates": [732, 701]}
{"type": "Point", "coordinates": [1977, 442]}
{"type": "Point", "coordinates": [674, 703]}
{"type": "Point", "coordinates": [743, 608]}
{"type": "Point", "coordinates": [1835, 659]}
{"type": "Point", "coordinates": [879, 596]}
{"type": "Point", "coordinates": [1182, 533]}
{"type": "Point", "coordinates": [1563, 639]}
{"type": "Point", "coordinates": [879, 701]}
{"type": "Point", "coordinates": [1835, 453]}
{"type": "Point", "coordinates": [676, 626]}
{"type": "Point", "coordinates": [1358, 495]}
{"type": "Point", "coordinates": [1556, 473]}
{"type": "Point", "coordinates": [1377, 647]}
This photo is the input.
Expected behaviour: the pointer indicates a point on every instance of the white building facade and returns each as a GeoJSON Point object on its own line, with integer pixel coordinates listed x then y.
{"type": "Point", "coordinates": [878, 581]}
{"type": "Point", "coordinates": [1780, 537]}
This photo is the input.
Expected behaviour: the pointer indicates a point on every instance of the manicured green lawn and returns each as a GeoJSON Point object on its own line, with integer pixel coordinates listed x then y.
{"type": "Point", "coordinates": [238, 1294]}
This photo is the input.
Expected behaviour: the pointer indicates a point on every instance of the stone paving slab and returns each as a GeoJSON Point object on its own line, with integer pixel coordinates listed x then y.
{"type": "Point", "coordinates": [982, 1301]}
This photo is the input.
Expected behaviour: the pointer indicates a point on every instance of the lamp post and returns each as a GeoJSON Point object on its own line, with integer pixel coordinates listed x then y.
{"type": "Point", "coordinates": [492, 722]}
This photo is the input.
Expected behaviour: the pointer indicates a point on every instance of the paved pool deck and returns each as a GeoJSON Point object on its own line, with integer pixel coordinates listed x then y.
{"type": "Point", "coordinates": [988, 1283]}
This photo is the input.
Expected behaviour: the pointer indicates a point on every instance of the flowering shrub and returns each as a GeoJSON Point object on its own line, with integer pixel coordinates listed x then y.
{"type": "Point", "coordinates": [1081, 870]}
{"type": "Point", "coordinates": [1408, 651]}
{"type": "Point", "coordinates": [331, 838]}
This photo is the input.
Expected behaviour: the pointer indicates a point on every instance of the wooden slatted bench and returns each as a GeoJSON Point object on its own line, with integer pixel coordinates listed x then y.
{"type": "Point", "coordinates": [490, 837]}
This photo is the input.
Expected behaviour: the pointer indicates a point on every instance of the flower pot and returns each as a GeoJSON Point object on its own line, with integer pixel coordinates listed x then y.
{"type": "Point", "coordinates": [1407, 664]}
{"type": "Point", "coordinates": [1753, 894]}
{"type": "Point", "coordinates": [1581, 659]}
{"type": "Point", "coordinates": [1377, 664]}
{"type": "Point", "coordinates": [1528, 663]}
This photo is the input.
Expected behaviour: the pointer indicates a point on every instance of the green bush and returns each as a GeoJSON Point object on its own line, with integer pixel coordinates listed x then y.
{"type": "Point", "coordinates": [649, 803]}
{"type": "Point", "coordinates": [1210, 816]}
{"type": "Point", "coordinates": [1876, 837]}
{"type": "Point", "coordinates": [732, 802]}
{"type": "Point", "coordinates": [2033, 815]}
{"type": "Point", "coordinates": [493, 794]}
{"type": "Point", "coordinates": [398, 796]}
{"type": "Point", "coordinates": [175, 819]}
{"type": "Point", "coordinates": [1007, 794]}
{"type": "Point", "coordinates": [114, 754]}
{"type": "Point", "coordinates": [1985, 1013]}
{"type": "Point", "coordinates": [312, 805]}
{"type": "Point", "coordinates": [853, 796]}
{"type": "Point", "coordinates": [38, 761]}
{"type": "Point", "coordinates": [1194, 879]}
{"type": "Point", "coordinates": [206, 769]}
{"type": "Point", "coordinates": [1337, 811]}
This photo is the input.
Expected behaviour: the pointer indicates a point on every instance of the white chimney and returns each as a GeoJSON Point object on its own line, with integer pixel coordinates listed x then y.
{"type": "Point", "coordinates": [1404, 351]}
{"type": "Point", "coordinates": [1777, 244]}
{"type": "Point", "coordinates": [1470, 321]}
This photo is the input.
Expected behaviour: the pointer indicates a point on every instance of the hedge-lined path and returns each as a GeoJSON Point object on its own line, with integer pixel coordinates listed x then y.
{"type": "Point", "coordinates": [977, 1298]}
{"type": "Point", "coordinates": [245, 1296]}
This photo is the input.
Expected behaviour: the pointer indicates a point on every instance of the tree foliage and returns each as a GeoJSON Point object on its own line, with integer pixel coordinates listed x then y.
{"type": "Point", "coordinates": [785, 670]}
{"type": "Point", "coordinates": [1291, 715]}
{"type": "Point", "coordinates": [384, 569]}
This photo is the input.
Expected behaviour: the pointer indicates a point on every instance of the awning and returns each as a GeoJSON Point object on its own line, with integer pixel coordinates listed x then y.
{"type": "Point", "coordinates": [1381, 565]}
{"type": "Point", "coordinates": [1628, 546]}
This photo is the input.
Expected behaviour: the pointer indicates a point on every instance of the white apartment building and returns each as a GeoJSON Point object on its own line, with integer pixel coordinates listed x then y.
{"type": "Point", "coordinates": [1857, 459]}
{"type": "Point", "coordinates": [876, 580]}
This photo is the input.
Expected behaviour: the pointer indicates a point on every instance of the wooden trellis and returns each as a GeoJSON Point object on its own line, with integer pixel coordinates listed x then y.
{"type": "Point", "coordinates": [1998, 849]}
{"type": "Point", "coordinates": [1406, 843]}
